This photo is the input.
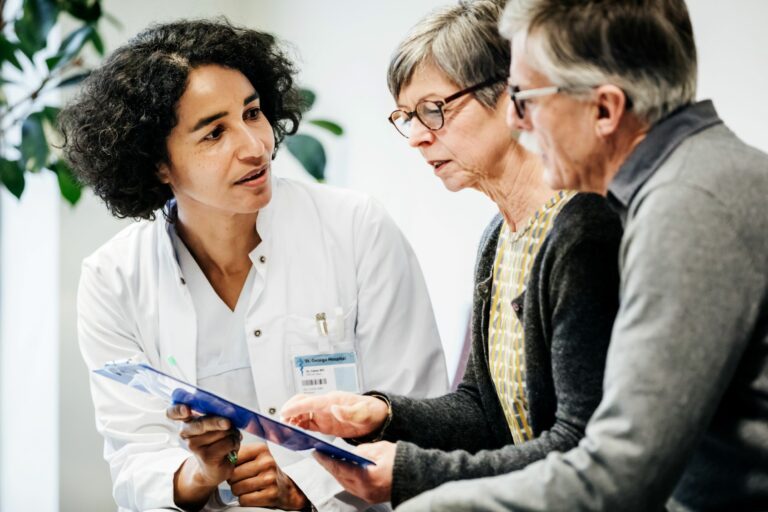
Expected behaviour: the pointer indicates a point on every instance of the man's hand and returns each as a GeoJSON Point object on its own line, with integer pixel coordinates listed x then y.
{"type": "Point", "coordinates": [258, 482]}
{"type": "Point", "coordinates": [337, 413]}
{"type": "Point", "coordinates": [372, 483]}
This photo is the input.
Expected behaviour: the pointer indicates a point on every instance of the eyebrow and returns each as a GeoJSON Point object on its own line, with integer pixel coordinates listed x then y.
{"type": "Point", "coordinates": [209, 119]}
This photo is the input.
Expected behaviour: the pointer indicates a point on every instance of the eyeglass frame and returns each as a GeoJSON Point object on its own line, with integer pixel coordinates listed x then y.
{"type": "Point", "coordinates": [440, 104]}
{"type": "Point", "coordinates": [519, 97]}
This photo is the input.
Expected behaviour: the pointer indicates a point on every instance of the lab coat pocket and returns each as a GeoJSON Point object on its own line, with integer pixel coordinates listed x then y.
{"type": "Point", "coordinates": [322, 357]}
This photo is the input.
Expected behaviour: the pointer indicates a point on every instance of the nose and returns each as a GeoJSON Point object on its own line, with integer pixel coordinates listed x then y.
{"type": "Point", "coordinates": [420, 134]}
{"type": "Point", "coordinates": [254, 142]}
{"type": "Point", "coordinates": [514, 121]}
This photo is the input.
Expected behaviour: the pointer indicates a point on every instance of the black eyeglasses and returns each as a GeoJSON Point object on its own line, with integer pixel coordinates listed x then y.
{"type": "Point", "coordinates": [430, 112]}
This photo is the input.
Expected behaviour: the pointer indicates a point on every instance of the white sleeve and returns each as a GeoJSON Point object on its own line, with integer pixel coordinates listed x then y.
{"type": "Point", "coordinates": [397, 339]}
{"type": "Point", "coordinates": [140, 444]}
{"type": "Point", "coordinates": [397, 335]}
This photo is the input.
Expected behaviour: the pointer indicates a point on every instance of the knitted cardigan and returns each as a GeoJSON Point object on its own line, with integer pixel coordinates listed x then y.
{"type": "Point", "coordinates": [567, 311]}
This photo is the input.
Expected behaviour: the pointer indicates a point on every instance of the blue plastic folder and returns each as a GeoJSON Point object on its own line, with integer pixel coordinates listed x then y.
{"type": "Point", "coordinates": [149, 380]}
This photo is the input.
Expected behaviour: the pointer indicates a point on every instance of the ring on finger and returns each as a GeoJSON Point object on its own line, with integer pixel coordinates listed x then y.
{"type": "Point", "coordinates": [232, 457]}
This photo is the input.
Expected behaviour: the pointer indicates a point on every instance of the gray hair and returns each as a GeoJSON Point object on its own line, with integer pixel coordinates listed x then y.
{"type": "Point", "coordinates": [645, 47]}
{"type": "Point", "coordinates": [462, 41]}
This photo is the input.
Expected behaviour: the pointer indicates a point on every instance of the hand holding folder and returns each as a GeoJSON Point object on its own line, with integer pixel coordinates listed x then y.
{"type": "Point", "coordinates": [174, 391]}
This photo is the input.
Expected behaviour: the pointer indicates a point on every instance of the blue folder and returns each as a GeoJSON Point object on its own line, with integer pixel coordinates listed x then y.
{"type": "Point", "coordinates": [149, 380]}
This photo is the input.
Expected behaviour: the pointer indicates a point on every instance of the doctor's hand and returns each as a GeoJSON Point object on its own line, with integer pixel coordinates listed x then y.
{"type": "Point", "coordinates": [211, 440]}
{"type": "Point", "coordinates": [338, 413]}
{"type": "Point", "coordinates": [258, 482]}
{"type": "Point", "coordinates": [372, 483]}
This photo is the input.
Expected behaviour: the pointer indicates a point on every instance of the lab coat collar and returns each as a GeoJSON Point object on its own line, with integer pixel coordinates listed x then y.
{"type": "Point", "coordinates": [176, 313]}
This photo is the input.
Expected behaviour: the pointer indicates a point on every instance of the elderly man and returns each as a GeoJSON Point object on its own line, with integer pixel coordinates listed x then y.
{"type": "Point", "coordinates": [607, 90]}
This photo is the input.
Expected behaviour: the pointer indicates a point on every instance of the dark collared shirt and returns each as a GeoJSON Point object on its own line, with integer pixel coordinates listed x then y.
{"type": "Point", "coordinates": [655, 148]}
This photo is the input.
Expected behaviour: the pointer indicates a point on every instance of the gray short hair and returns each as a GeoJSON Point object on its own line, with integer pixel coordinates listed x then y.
{"type": "Point", "coordinates": [462, 41]}
{"type": "Point", "coordinates": [646, 47]}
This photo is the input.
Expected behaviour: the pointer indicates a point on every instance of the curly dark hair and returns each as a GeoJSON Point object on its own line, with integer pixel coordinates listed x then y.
{"type": "Point", "coordinates": [115, 131]}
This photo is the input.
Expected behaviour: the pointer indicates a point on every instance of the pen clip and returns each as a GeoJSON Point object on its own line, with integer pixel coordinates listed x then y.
{"type": "Point", "coordinates": [322, 324]}
{"type": "Point", "coordinates": [324, 343]}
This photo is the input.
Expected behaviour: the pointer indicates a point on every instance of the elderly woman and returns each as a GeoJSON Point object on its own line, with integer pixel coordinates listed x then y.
{"type": "Point", "coordinates": [546, 284]}
{"type": "Point", "coordinates": [227, 288]}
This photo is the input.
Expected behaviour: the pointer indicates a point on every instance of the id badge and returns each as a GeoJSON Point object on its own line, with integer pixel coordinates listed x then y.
{"type": "Point", "coordinates": [319, 373]}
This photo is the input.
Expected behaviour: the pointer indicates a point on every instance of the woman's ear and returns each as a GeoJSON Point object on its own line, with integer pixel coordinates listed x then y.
{"type": "Point", "coordinates": [164, 174]}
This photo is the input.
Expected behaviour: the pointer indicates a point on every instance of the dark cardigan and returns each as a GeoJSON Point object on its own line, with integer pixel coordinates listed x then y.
{"type": "Point", "coordinates": [567, 310]}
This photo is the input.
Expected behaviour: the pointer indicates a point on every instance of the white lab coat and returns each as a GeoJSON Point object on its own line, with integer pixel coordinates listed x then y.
{"type": "Point", "coordinates": [321, 248]}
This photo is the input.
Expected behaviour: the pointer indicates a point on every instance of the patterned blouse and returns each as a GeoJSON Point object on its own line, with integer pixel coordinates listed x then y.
{"type": "Point", "coordinates": [514, 258]}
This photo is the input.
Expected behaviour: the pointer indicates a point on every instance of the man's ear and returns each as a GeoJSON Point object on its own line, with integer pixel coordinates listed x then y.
{"type": "Point", "coordinates": [611, 107]}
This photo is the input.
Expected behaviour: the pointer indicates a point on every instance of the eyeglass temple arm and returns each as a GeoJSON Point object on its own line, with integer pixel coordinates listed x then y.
{"type": "Point", "coordinates": [474, 88]}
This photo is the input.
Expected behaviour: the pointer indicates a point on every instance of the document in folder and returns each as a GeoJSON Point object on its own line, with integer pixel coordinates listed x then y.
{"type": "Point", "coordinates": [174, 391]}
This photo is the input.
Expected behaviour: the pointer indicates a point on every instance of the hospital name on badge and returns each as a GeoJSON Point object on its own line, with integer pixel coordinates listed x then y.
{"type": "Point", "coordinates": [320, 373]}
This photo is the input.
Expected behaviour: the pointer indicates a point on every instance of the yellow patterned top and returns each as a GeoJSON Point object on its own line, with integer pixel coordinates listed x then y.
{"type": "Point", "coordinates": [515, 253]}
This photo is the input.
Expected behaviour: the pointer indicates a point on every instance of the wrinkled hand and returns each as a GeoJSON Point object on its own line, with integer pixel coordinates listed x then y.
{"type": "Point", "coordinates": [258, 482]}
{"type": "Point", "coordinates": [372, 483]}
{"type": "Point", "coordinates": [210, 439]}
{"type": "Point", "coordinates": [337, 413]}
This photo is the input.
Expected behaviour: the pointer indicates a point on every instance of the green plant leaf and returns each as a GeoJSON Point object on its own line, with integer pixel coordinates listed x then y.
{"type": "Point", "coordinates": [33, 26]}
{"type": "Point", "coordinates": [86, 10]}
{"type": "Point", "coordinates": [309, 152]}
{"type": "Point", "coordinates": [70, 47]}
{"type": "Point", "coordinates": [29, 41]}
{"type": "Point", "coordinates": [51, 115]}
{"type": "Point", "coordinates": [74, 79]}
{"type": "Point", "coordinates": [328, 125]}
{"type": "Point", "coordinates": [70, 188]}
{"type": "Point", "coordinates": [307, 99]}
{"type": "Point", "coordinates": [34, 147]}
{"type": "Point", "coordinates": [116, 23]}
{"type": "Point", "coordinates": [98, 43]}
{"type": "Point", "coordinates": [8, 53]}
{"type": "Point", "coordinates": [44, 13]}
{"type": "Point", "coordinates": [12, 176]}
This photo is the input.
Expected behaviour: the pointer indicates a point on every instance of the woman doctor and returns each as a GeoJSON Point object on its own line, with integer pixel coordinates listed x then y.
{"type": "Point", "coordinates": [241, 277]}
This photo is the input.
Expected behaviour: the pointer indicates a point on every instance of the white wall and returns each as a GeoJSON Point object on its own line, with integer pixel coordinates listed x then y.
{"type": "Point", "coordinates": [29, 310]}
{"type": "Point", "coordinates": [344, 47]}
{"type": "Point", "coordinates": [732, 41]}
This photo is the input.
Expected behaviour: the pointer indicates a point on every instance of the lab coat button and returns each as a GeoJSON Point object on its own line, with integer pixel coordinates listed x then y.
{"type": "Point", "coordinates": [263, 259]}
{"type": "Point", "coordinates": [272, 410]}
{"type": "Point", "coordinates": [257, 332]}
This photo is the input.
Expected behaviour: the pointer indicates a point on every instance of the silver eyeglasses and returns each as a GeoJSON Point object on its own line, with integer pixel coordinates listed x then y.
{"type": "Point", "coordinates": [519, 97]}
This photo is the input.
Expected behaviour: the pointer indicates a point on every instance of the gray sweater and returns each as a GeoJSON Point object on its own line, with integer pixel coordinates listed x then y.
{"type": "Point", "coordinates": [567, 311]}
{"type": "Point", "coordinates": [685, 403]}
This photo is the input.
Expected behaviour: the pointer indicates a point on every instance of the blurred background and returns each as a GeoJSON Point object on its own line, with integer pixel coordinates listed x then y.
{"type": "Point", "coordinates": [50, 453]}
